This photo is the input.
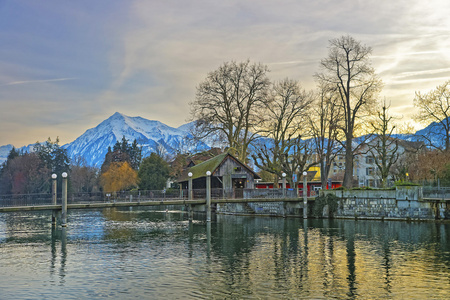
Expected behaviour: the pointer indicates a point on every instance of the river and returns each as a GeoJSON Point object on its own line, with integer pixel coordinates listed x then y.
{"type": "Point", "coordinates": [149, 254]}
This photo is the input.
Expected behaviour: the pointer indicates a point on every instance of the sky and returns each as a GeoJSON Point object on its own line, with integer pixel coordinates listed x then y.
{"type": "Point", "coordinates": [65, 66]}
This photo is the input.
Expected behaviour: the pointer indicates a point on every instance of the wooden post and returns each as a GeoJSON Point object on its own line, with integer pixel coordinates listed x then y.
{"type": "Point", "coordinates": [54, 198]}
{"type": "Point", "coordinates": [64, 200]}
{"type": "Point", "coordinates": [305, 196]}
{"type": "Point", "coordinates": [208, 196]}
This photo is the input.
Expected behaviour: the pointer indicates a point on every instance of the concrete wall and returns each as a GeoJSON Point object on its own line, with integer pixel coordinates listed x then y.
{"type": "Point", "coordinates": [404, 203]}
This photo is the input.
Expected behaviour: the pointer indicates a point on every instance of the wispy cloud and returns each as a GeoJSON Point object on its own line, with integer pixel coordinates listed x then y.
{"type": "Point", "coordinates": [36, 81]}
{"type": "Point", "coordinates": [418, 73]}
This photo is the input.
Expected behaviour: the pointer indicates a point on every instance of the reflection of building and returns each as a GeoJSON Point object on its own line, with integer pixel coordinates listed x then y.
{"type": "Point", "coordinates": [227, 172]}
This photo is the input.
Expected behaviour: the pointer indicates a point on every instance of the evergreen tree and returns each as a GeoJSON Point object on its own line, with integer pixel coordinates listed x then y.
{"type": "Point", "coordinates": [153, 173]}
{"type": "Point", "coordinates": [123, 152]}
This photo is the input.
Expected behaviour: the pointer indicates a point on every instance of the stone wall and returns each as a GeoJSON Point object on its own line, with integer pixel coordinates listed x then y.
{"type": "Point", "coordinates": [262, 208]}
{"type": "Point", "coordinates": [405, 203]}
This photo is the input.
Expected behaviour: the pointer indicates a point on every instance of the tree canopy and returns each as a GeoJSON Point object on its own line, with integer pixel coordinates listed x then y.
{"type": "Point", "coordinates": [119, 177]}
{"type": "Point", "coordinates": [153, 173]}
{"type": "Point", "coordinates": [123, 152]}
{"type": "Point", "coordinates": [435, 107]}
{"type": "Point", "coordinates": [25, 173]}
{"type": "Point", "coordinates": [230, 103]}
{"type": "Point", "coordinates": [287, 109]}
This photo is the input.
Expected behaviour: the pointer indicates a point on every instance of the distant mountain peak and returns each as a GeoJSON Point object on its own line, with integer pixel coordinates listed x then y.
{"type": "Point", "coordinates": [152, 136]}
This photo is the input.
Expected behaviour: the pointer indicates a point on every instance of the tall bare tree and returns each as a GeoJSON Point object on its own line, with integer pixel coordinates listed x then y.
{"type": "Point", "coordinates": [347, 69]}
{"type": "Point", "coordinates": [287, 111]}
{"type": "Point", "coordinates": [229, 102]}
{"type": "Point", "coordinates": [324, 123]}
{"type": "Point", "coordinates": [435, 107]}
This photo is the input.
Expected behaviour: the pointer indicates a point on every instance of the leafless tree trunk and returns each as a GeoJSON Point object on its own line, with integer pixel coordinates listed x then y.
{"type": "Point", "coordinates": [347, 69]}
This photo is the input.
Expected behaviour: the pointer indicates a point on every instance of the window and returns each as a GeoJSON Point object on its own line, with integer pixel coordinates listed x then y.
{"type": "Point", "coordinates": [369, 171]}
{"type": "Point", "coordinates": [369, 160]}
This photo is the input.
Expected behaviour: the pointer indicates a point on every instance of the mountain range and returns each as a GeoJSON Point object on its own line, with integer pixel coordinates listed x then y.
{"type": "Point", "coordinates": [153, 136]}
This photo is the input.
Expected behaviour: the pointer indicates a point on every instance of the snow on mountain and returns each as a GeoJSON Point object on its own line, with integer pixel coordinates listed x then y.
{"type": "Point", "coordinates": [152, 136]}
{"type": "Point", "coordinates": [434, 134]}
{"type": "Point", "coordinates": [4, 151]}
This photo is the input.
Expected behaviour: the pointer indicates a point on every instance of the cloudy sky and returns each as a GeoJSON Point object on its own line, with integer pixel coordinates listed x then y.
{"type": "Point", "coordinates": [65, 66]}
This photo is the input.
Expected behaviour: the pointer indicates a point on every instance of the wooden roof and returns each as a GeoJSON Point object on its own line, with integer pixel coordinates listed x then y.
{"type": "Point", "coordinates": [211, 165]}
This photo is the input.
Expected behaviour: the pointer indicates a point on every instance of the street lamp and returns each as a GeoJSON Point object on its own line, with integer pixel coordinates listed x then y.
{"type": "Point", "coordinates": [208, 196]}
{"type": "Point", "coordinates": [190, 186]}
{"type": "Point", "coordinates": [305, 196]}
{"type": "Point", "coordinates": [284, 184]}
{"type": "Point", "coordinates": [64, 200]}
{"type": "Point", "coordinates": [54, 197]}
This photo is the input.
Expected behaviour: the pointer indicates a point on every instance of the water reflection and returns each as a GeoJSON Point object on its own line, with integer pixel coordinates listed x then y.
{"type": "Point", "coordinates": [129, 253]}
{"type": "Point", "coordinates": [58, 235]}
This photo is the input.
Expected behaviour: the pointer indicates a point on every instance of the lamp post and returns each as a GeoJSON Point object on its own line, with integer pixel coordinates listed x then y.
{"type": "Point", "coordinates": [284, 184]}
{"type": "Point", "coordinates": [305, 196]}
{"type": "Point", "coordinates": [64, 200]}
{"type": "Point", "coordinates": [54, 198]}
{"type": "Point", "coordinates": [208, 196]}
{"type": "Point", "coordinates": [190, 196]}
{"type": "Point", "coordinates": [190, 186]}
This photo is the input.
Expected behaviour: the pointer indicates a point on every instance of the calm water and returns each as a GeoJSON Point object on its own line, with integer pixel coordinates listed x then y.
{"type": "Point", "coordinates": [144, 254]}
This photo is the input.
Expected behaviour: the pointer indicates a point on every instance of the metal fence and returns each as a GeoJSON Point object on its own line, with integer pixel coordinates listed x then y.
{"type": "Point", "coordinates": [26, 200]}
{"type": "Point", "coordinates": [154, 195]}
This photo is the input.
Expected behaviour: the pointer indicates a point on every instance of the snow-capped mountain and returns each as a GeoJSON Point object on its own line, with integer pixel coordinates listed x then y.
{"type": "Point", "coordinates": [152, 136]}
{"type": "Point", "coordinates": [434, 134]}
{"type": "Point", "coordinates": [4, 152]}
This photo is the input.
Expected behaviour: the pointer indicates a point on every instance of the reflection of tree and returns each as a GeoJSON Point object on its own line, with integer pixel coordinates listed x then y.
{"type": "Point", "coordinates": [351, 259]}
{"type": "Point", "coordinates": [234, 239]}
{"type": "Point", "coordinates": [387, 264]}
{"type": "Point", "coordinates": [249, 257]}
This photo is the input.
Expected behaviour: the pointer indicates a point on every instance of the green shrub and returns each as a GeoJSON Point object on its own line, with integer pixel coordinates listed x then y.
{"type": "Point", "coordinates": [405, 183]}
{"type": "Point", "coordinates": [364, 188]}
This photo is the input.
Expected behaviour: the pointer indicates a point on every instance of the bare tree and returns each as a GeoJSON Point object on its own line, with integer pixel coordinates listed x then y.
{"type": "Point", "coordinates": [324, 123]}
{"type": "Point", "coordinates": [383, 147]}
{"type": "Point", "coordinates": [287, 109]}
{"type": "Point", "coordinates": [435, 107]}
{"type": "Point", "coordinates": [229, 103]}
{"type": "Point", "coordinates": [347, 70]}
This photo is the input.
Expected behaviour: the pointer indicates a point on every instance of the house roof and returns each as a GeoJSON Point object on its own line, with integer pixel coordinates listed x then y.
{"type": "Point", "coordinates": [211, 165]}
